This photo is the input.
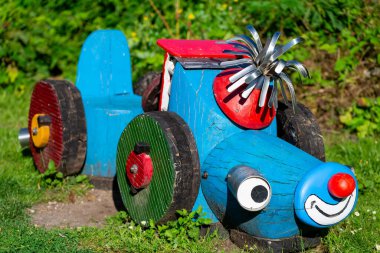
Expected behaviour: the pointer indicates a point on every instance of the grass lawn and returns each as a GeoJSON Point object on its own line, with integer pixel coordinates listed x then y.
{"type": "Point", "coordinates": [19, 190]}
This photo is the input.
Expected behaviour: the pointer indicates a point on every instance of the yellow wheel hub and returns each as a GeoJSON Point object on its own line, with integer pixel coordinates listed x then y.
{"type": "Point", "coordinates": [40, 130]}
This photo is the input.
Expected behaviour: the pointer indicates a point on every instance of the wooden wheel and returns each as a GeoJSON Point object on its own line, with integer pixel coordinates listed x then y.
{"type": "Point", "coordinates": [157, 167]}
{"type": "Point", "coordinates": [300, 129]}
{"type": "Point", "coordinates": [57, 126]}
{"type": "Point", "coordinates": [151, 94]}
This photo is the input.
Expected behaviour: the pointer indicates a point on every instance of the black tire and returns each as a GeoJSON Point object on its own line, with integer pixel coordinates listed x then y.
{"type": "Point", "coordinates": [144, 82]}
{"type": "Point", "coordinates": [300, 129]}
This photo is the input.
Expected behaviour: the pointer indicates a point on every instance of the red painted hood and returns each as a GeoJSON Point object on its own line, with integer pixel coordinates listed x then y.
{"type": "Point", "coordinates": [196, 48]}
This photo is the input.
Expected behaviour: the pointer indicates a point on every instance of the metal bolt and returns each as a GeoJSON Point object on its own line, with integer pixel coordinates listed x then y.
{"type": "Point", "coordinates": [134, 169]}
{"type": "Point", "coordinates": [205, 175]}
{"type": "Point", "coordinates": [35, 131]}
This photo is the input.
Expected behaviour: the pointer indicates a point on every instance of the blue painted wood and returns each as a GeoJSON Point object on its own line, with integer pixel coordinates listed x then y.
{"type": "Point", "coordinates": [192, 98]}
{"type": "Point", "coordinates": [280, 163]}
{"type": "Point", "coordinates": [104, 80]}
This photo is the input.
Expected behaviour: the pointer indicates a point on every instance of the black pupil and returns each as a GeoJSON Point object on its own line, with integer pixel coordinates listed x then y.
{"type": "Point", "coordinates": [259, 194]}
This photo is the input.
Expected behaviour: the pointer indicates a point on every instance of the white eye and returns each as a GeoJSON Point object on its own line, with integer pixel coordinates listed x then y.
{"type": "Point", "coordinates": [251, 190]}
{"type": "Point", "coordinates": [254, 193]}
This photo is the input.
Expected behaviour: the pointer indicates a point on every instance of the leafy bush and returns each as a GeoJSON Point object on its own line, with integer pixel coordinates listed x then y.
{"type": "Point", "coordinates": [363, 117]}
{"type": "Point", "coordinates": [39, 39]}
{"type": "Point", "coordinates": [51, 178]}
{"type": "Point", "coordinates": [178, 233]}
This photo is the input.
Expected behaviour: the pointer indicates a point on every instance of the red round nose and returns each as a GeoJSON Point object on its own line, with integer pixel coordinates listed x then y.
{"type": "Point", "coordinates": [341, 185]}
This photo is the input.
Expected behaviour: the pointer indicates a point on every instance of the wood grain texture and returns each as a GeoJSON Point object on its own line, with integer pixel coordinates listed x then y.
{"type": "Point", "coordinates": [176, 176]}
{"type": "Point", "coordinates": [61, 100]}
{"type": "Point", "coordinates": [280, 163]}
{"type": "Point", "coordinates": [191, 97]}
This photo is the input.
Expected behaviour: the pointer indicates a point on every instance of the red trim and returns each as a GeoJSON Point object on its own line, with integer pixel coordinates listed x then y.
{"type": "Point", "coordinates": [196, 48]}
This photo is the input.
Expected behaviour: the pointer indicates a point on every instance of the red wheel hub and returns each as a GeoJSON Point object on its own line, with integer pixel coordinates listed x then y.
{"type": "Point", "coordinates": [139, 169]}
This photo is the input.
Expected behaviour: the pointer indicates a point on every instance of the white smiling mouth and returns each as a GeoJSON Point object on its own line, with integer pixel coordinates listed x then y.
{"type": "Point", "coordinates": [325, 214]}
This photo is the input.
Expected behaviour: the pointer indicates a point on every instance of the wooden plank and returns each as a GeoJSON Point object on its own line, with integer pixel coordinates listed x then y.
{"type": "Point", "coordinates": [196, 48]}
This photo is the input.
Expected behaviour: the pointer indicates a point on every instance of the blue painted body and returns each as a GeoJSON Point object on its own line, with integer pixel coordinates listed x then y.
{"type": "Point", "coordinates": [104, 80]}
{"type": "Point", "coordinates": [223, 145]}
{"type": "Point", "coordinates": [280, 163]}
{"type": "Point", "coordinates": [192, 98]}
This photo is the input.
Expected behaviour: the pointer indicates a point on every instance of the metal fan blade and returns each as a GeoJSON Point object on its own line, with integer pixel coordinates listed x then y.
{"type": "Point", "coordinates": [251, 86]}
{"type": "Point", "coordinates": [236, 62]}
{"type": "Point", "coordinates": [241, 73]}
{"type": "Point", "coordinates": [283, 91]}
{"type": "Point", "coordinates": [236, 84]}
{"type": "Point", "coordinates": [273, 97]}
{"type": "Point", "coordinates": [298, 66]}
{"type": "Point", "coordinates": [243, 47]}
{"type": "Point", "coordinates": [247, 40]}
{"type": "Point", "coordinates": [271, 47]}
{"type": "Point", "coordinates": [256, 37]}
{"type": "Point", "coordinates": [252, 76]}
{"type": "Point", "coordinates": [286, 47]}
{"type": "Point", "coordinates": [264, 91]}
{"type": "Point", "coordinates": [236, 52]}
{"type": "Point", "coordinates": [288, 82]}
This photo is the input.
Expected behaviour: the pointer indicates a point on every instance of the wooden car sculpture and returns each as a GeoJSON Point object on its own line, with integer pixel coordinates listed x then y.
{"type": "Point", "coordinates": [213, 135]}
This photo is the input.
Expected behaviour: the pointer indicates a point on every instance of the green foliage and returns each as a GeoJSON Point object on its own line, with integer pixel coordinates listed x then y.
{"type": "Point", "coordinates": [184, 229]}
{"type": "Point", "coordinates": [180, 235]}
{"type": "Point", "coordinates": [52, 178]}
{"type": "Point", "coordinates": [39, 39]}
{"type": "Point", "coordinates": [363, 117]}
{"type": "Point", "coordinates": [180, 231]}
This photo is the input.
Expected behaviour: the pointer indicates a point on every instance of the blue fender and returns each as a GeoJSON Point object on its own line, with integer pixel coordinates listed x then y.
{"type": "Point", "coordinates": [104, 80]}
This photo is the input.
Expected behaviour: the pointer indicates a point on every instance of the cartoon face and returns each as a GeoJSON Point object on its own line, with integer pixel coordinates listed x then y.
{"type": "Point", "coordinates": [326, 195]}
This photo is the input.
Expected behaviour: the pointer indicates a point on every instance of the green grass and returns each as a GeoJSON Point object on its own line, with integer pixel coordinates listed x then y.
{"type": "Point", "coordinates": [361, 232]}
{"type": "Point", "coordinates": [19, 190]}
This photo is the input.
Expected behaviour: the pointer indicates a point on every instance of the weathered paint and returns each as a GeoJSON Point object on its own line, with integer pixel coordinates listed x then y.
{"type": "Point", "coordinates": [191, 97]}
{"type": "Point", "coordinates": [222, 145]}
{"type": "Point", "coordinates": [279, 162]}
{"type": "Point", "coordinates": [104, 80]}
